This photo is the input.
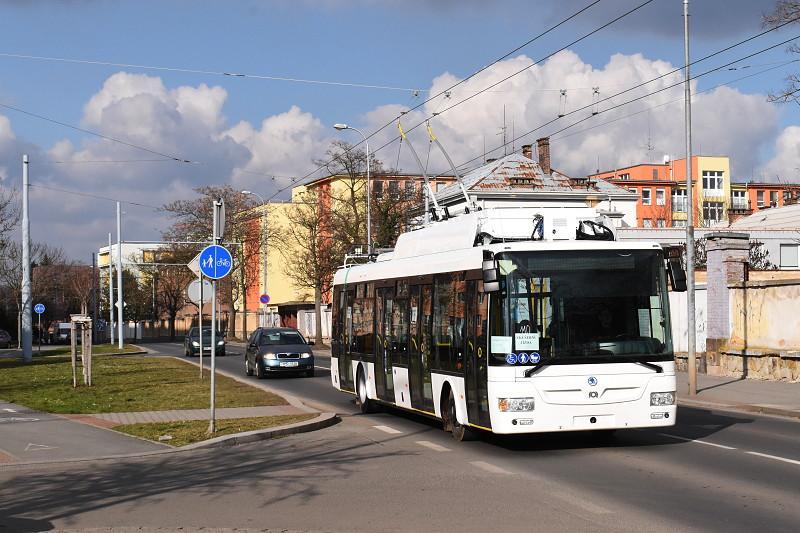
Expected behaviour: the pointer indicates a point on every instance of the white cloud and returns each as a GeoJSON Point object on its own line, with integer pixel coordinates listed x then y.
{"type": "Point", "coordinates": [785, 164]}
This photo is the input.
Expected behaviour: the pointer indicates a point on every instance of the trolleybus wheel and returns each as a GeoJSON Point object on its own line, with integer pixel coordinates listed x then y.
{"type": "Point", "coordinates": [460, 432]}
{"type": "Point", "coordinates": [364, 403]}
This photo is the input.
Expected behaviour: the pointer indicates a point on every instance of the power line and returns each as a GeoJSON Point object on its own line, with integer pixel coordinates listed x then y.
{"type": "Point", "coordinates": [640, 97]}
{"type": "Point", "coordinates": [90, 195]}
{"type": "Point", "coordinates": [448, 90]}
{"type": "Point", "coordinates": [734, 80]}
{"type": "Point", "coordinates": [208, 72]}
{"type": "Point", "coordinates": [94, 133]}
{"type": "Point", "coordinates": [79, 162]}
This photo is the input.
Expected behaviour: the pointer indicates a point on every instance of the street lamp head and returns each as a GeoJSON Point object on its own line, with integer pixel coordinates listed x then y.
{"type": "Point", "coordinates": [247, 192]}
{"type": "Point", "coordinates": [341, 126]}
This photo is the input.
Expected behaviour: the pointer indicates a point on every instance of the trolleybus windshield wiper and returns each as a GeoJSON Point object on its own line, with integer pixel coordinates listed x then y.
{"type": "Point", "coordinates": [531, 371]}
{"type": "Point", "coordinates": [657, 368]}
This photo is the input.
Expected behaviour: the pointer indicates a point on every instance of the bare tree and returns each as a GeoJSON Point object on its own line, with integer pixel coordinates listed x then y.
{"type": "Point", "coordinates": [80, 284]}
{"type": "Point", "coordinates": [786, 11]}
{"type": "Point", "coordinates": [193, 220]}
{"type": "Point", "coordinates": [311, 255]}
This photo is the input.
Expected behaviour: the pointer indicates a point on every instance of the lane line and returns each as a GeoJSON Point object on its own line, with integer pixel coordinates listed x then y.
{"type": "Point", "coordinates": [784, 459]}
{"type": "Point", "coordinates": [488, 467]}
{"type": "Point", "coordinates": [433, 446]}
{"type": "Point", "coordinates": [698, 441]}
{"type": "Point", "coordinates": [387, 429]}
{"type": "Point", "coordinates": [325, 367]}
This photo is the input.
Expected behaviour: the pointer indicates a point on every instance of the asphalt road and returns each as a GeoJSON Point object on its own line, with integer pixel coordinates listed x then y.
{"type": "Point", "coordinates": [714, 471]}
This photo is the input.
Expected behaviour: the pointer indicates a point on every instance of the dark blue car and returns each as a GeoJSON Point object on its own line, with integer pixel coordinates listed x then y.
{"type": "Point", "coordinates": [278, 350]}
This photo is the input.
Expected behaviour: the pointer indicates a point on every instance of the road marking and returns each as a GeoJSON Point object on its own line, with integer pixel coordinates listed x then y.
{"type": "Point", "coordinates": [31, 447]}
{"type": "Point", "coordinates": [698, 441]}
{"type": "Point", "coordinates": [17, 419]}
{"type": "Point", "coordinates": [784, 459]}
{"type": "Point", "coordinates": [489, 467]}
{"type": "Point", "coordinates": [433, 446]}
{"type": "Point", "coordinates": [325, 367]}
{"type": "Point", "coordinates": [7, 410]}
{"type": "Point", "coordinates": [387, 429]}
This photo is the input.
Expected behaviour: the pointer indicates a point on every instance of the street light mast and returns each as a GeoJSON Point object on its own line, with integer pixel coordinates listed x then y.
{"type": "Point", "coordinates": [369, 190]}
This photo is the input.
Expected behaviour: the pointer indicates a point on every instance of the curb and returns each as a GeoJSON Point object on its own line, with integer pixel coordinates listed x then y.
{"type": "Point", "coordinates": [324, 420]}
{"type": "Point", "coordinates": [741, 408]}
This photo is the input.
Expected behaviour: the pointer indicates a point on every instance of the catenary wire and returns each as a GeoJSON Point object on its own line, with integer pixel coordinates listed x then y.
{"type": "Point", "coordinates": [90, 195]}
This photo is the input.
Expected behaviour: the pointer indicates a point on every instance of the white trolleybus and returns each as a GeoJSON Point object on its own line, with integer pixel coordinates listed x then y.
{"type": "Point", "coordinates": [511, 321]}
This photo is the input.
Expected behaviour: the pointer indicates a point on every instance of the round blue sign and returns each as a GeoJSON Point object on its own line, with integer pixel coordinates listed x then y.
{"type": "Point", "coordinates": [264, 299]}
{"type": "Point", "coordinates": [511, 359]}
{"type": "Point", "coordinates": [523, 358]}
{"type": "Point", "coordinates": [535, 357]}
{"type": "Point", "coordinates": [215, 261]}
{"type": "Point", "coordinates": [39, 308]}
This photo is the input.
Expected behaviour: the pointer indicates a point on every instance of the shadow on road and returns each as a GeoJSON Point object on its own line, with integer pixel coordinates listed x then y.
{"type": "Point", "coordinates": [31, 502]}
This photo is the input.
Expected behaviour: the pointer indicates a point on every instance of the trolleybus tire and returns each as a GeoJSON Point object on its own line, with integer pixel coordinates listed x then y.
{"type": "Point", "coordinates": [460, 432]}
{"type": "Point", "coordinates": [362, 399]}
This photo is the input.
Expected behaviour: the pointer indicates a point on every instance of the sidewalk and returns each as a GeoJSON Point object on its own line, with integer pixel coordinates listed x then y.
{"type": "Point", "coordinates": [755, 396]}
{"type": "Point", "coordinates": [139, 417]}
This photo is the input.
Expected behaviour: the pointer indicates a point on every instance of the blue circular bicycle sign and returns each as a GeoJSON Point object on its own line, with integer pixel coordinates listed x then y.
{"type": "Point", "coordinates": [215, 261]}
{"type": "Point", "coordinates": [39, 308]}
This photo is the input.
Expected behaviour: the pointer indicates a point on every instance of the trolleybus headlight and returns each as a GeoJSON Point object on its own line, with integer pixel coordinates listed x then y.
{"type": "Point", "coordinates": [515, 404]}
{"type": "Point", "coordinates": [662, 398]}
{"type": "Point", "coordinates": [269, 356]}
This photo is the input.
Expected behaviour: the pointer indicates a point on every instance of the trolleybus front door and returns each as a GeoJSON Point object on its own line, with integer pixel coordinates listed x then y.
{"type": "Point", "coordinates": [419, 373]}
{"type": "Point", "coordinates": [476, 374]}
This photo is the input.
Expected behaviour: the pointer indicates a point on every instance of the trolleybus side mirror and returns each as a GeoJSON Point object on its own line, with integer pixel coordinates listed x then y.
{"type": "Point", "coordinates": [491, 275]}
{"type": "Point", "coordinates": [677, 275]}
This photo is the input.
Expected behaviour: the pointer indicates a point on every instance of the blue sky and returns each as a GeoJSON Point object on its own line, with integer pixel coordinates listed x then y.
{"type": "Point", "coordinates": [407, 44]}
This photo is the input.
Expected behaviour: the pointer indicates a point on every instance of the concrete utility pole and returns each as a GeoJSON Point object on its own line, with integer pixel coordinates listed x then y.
{"type": "Point", "coordinates": [120, 304]}
{"type": "Point", "coordinates": [689, 209]}
{"type": "Point", "coordinates": [110, 293]}
{"type": "Point", "coordinates": [27, 320]}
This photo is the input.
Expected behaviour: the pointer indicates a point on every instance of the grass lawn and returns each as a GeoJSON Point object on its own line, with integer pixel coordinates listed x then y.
{"type": "Point", "coordinates": [97, 349]}
{"type": "Point", "coordinates": [121, 384]}
{"type": "Point", "coordinates": [191, 431]}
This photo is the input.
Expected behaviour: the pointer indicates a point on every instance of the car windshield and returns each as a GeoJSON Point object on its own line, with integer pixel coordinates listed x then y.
{"type": "Point", "coordinates": [272, 338]}
{"type": "Point", "coordinates": [195, 332]}
{"type": "Point", "coordinates": [572, 305]}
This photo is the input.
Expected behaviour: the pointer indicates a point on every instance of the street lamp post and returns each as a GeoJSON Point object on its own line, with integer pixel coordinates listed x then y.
{"type": "Point", "coordinates": [369, 190]}
{"type": "Point", "coordinates": [264, 243]}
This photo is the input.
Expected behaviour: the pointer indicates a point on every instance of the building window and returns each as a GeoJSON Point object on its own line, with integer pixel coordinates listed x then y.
{"type": "Point", "coordinates": [394, 188]}
{"type": "Point", "coordinates": [679, 200]}
{"type": "Point", "coordinates": [789, 256]}
{"type": "Point", "coordinates": [377, 189]}
{"type": "Point", "coordinates": [647, 223]}
{"type": "Point", "coordinates": [773, 198]}
{"type": "Point", "coordinates": [625, 177]}
{"type": "Point", "coordinates": [760, 198]}
{"type": "Point", "coordinates": [646, 196]}
{"type": "Point", "coordinates": [409, 187]}
{"type": "Point", "coordinates": [712, 181]}
{"type": "Point", "coordinates": [678, 223]}
{"type": "Point", "coordinates": [661, 223]}
{"type": "Point", "coordinates": [712, 211]}
{"type": "Point", "coordinates": [661, 198]}
{"type": "Point", "coordinates": [738, 200]}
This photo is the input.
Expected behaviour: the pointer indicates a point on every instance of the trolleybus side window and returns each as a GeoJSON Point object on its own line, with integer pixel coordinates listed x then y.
{"type": "Point", "coordinates": [363, 314]}
{"type": "Point", "coordinates": [427, 342]}
{"type": "Point", "coordinates": [399, 325]}
{"type": "Point", "coordinates": [442, 322]}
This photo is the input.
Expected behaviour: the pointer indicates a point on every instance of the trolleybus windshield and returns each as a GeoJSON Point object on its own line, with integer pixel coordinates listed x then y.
{"type": "Point", "coordinates": [562, 307]}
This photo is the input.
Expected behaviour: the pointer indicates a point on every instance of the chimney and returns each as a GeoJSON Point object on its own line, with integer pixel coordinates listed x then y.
{"type": "Point", "coordinates": [527, 151]}
{"type": "Point", "coordinates": [543, 146]}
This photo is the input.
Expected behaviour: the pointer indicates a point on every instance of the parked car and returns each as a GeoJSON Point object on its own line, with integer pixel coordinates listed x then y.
{"type": "Point", "coordinates": [5, 339]}
{"type": "Point", "coordinates": [276, 350]}
{"type": "Point", "coordinates": [62, 333]}
{"type": "Point", "coordinates": [191, 343]}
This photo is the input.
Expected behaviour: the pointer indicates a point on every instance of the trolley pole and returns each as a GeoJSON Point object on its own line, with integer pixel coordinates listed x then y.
{"type": "Point", "coordinates": [690, 302]}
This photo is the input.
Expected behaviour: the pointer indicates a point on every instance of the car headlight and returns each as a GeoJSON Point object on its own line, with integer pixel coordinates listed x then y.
{"type": "Point", "coordinates": [269, 356]}
{"type": "Point", "coordinates": [305, 355]}
{"type": "Point", "coordinates": [515, 404]}
{"type": "Point", "coordinates": [195, 343]}
{"type": "Point", "coordinates": [662, 398]}
{"type": "Point", "coordinates": [220, 343]}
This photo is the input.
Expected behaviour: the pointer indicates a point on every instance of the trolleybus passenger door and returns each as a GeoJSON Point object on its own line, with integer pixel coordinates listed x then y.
{"type": "Point", "coordinates": [414, 352]}
{"type": "Point", "coordinates": [348, 341]}
{"type": "Point", "coordinates": [383, 345]}
{"type": "Point", "coordinates": [421, 379]}
{"type": "Point", "coordinates": [476, 374]}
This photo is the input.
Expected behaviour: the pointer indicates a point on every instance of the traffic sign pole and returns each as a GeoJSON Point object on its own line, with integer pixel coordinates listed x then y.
{"type": "Point", "coordinates": [40, 332]}
{"type": "Point", "coordinates": [212, 426]}
{"type": "Point", "coordinates": [200, 321]}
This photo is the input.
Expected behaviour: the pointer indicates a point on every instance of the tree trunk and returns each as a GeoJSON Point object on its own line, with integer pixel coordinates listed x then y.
{"type": "Point", "coordinates": [318, 315]}
{"type": "Point", "coordinates": [232, 315]}
{"type": "Point", "coordinates": [172, 327]}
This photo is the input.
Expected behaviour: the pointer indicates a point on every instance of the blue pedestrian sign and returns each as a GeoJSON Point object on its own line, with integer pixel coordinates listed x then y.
{"type": "Point", "coordinates": [39, 308]}
{"type": "Point", "coordinates": [215, 261]}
